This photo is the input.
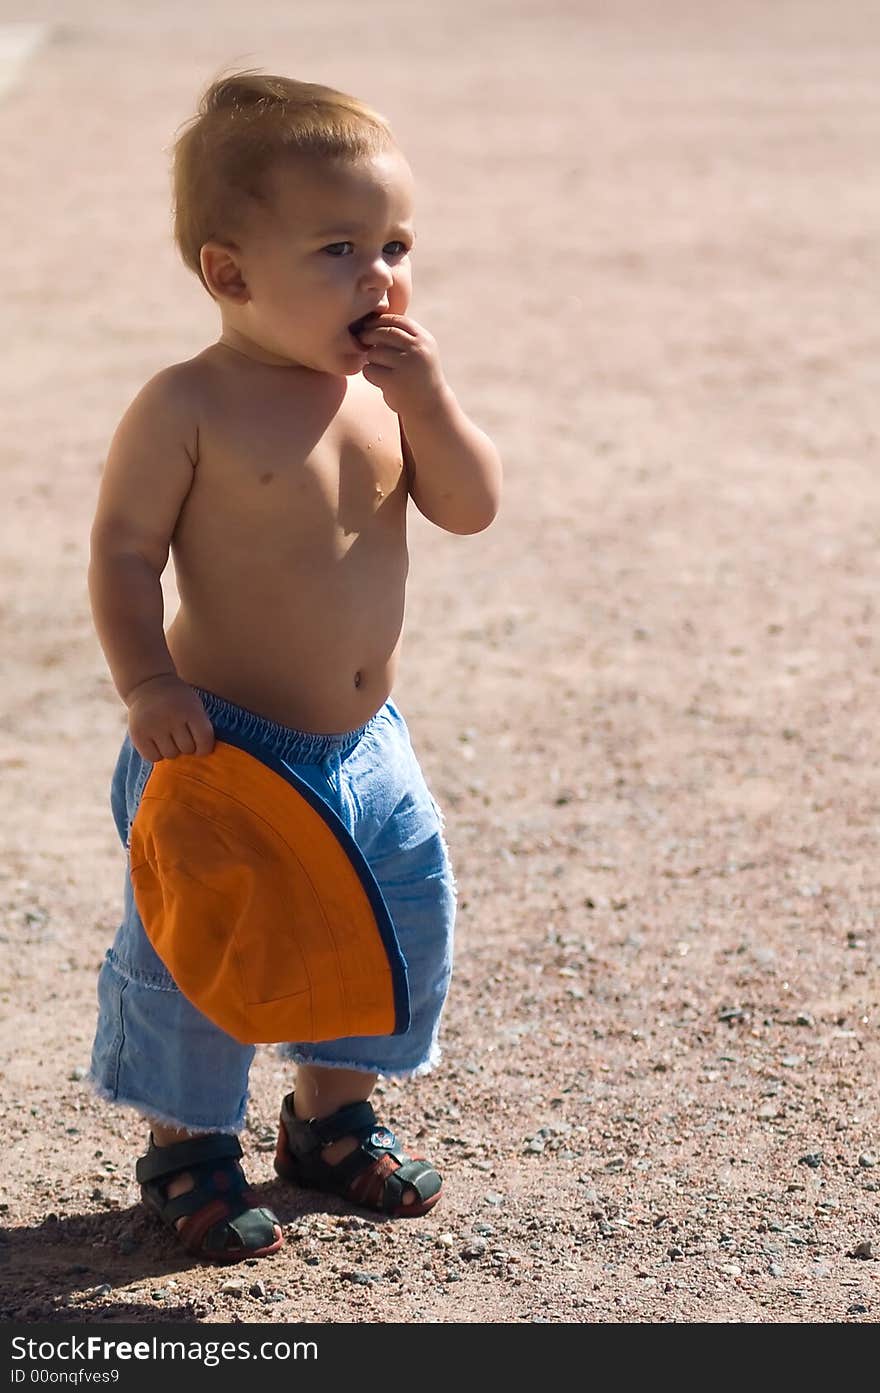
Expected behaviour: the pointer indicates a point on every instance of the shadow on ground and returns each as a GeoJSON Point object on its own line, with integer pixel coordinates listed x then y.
{"type": "Point", "coordinates": [64, 1268]}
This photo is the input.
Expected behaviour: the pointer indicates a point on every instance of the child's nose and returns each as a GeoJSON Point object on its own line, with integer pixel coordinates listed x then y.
{"type": "Point", "coordinates": [378, 276]}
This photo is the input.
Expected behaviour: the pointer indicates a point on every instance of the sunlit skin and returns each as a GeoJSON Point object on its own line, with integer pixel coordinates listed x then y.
{"type": "Point", "coordinates": [276, 466]}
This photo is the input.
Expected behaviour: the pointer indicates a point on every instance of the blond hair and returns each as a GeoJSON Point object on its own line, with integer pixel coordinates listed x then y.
{"type": "Point", "coordinates": [247, 123]}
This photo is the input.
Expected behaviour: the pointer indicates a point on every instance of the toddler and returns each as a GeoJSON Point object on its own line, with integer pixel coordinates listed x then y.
{"type": "Point", "coordinates": [287, 879]}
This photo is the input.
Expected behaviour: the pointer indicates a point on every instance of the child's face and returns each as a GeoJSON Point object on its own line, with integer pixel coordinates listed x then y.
{"type": "Point", "coordinates": [335, 247]}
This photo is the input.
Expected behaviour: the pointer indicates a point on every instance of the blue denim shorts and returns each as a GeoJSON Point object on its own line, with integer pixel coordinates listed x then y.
{"type": "Point", "coordinates": [155, 1052]}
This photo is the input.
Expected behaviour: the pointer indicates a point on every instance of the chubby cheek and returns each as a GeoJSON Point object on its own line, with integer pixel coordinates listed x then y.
{"type": "Point", "coordinates": [400, 293]}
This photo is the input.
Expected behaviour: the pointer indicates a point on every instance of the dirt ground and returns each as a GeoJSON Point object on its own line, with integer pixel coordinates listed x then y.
{"type": "Point", "coordinates": [647, 697]}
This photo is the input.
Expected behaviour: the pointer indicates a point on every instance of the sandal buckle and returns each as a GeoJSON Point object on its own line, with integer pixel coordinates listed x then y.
{"type": "Point", "coordinates": [383, 1138]}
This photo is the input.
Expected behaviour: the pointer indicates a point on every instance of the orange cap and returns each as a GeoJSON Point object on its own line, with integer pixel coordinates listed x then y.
{"type": "Point", "coordinates": [260, 903]}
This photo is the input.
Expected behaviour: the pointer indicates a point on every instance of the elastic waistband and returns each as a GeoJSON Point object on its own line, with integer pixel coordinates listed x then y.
{"type": "Point", "coordinates": [293, 746]}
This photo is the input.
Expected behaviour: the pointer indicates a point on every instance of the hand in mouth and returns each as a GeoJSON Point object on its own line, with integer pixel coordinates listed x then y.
{"type": "Point", "coordinates": [357, 326]}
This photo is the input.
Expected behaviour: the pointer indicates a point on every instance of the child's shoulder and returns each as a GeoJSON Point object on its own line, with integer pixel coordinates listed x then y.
{"type": "Point", "coordinates": [167, 409]}
{"type": "Point", "coordinates": [171, 403]}
{"type": "Point", "coordinates": [179, 387]}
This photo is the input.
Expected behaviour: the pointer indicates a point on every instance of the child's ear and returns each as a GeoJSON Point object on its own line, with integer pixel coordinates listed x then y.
{"type": "Point", "coordinates": [222, 272]}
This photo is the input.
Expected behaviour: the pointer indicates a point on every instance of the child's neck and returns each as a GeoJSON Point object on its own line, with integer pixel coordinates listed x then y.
{"type": "Point", "coordinates": [246, 347]}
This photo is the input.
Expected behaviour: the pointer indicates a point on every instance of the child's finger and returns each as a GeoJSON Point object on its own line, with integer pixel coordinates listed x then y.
{"type": "Point", "coordinates": [164, 746]}
{"type": "Point", "coordinates": [376, 374]}
{"type": "Point", "coordinates": [385, 357]}
{"type": "Point", "coordinates": [400, 322]}
{"type": "Point", "coordinates": [183, 739]}
{"type": "Point", "coordinates": [386, 334]}
{"type": "Point", "coordinates": [202, 733]}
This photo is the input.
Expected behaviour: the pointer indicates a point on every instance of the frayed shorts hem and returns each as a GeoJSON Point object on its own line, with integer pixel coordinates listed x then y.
{"type": "Point", "coordinates": [415, 1071]}
{"type": "Point", "coordinates": [153, 1114]}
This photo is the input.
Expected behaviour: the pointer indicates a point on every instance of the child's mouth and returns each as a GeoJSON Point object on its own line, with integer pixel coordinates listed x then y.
{"type": "Point", "coordinates": [357, 326]}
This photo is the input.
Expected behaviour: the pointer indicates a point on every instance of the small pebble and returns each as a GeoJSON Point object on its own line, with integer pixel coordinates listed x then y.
{"type": "Point", "coordinates": [534, 1144]}
{"type": "Point", "coordinates": [775, 1270]}
{"type": "Point", "coordinates": [813, 1159]}
{"type": "Point", "coordinates": [78, 1073]}
{"type": "Point", "coordinates": [867, 1160]}
{"type": "Point", "coordinates": [475, 1249]}
{"type": "Point", "coordinates": [257, 1289]}
{"type": "Point", "coordinates": [616, 1163]}
{"type": "Point", "coordinates": [234, 1287]}
{"type": "Point", "coordinates": [865, 1249]}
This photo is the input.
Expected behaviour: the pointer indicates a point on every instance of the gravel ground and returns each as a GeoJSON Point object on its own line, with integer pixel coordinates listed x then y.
{"type": "Point", "coordinates": [646, 697]}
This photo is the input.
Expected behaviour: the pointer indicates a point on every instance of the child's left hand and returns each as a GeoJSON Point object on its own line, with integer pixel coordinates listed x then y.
{"type": "Point", "coordinates": [404, 363]}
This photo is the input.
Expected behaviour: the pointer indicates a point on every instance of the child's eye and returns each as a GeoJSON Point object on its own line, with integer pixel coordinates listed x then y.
{"type": "Point", "coordinates": [340, 249]}
{"type": "Point", "coordinates": [395, 249]}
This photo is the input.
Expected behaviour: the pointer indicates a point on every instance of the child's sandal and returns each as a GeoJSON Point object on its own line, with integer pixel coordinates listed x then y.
{"type": "Point", "coordinates": [222, 1220]}
{"type": "Point", "coordinates": [377, 1175]}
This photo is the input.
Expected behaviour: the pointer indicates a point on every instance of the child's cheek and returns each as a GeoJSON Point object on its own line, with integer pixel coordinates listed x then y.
{"type": "Point", "coordinates": [400, 293]}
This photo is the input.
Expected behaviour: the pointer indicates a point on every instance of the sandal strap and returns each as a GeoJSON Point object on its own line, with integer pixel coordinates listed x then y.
{"type": "Point", "coordinates": [162, 1161]}
{"type": "Point", "coordinates": [224, 1183]}
{"type": "Point", "coordinates": [375, 1142]}
{"type": "Point", "coordinates": [358, 1120]}
{"type": "Point", "coordinates": [419, 1175]}
{"type": "Point", "coordinates": [312, 1134]}
{"type": "Point", "coordinates": [206, 1234]}
{"type": "Point", "coordinates": [352, 1120]}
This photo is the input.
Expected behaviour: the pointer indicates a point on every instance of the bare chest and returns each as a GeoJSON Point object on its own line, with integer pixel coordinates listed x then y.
{"type": "Point", "coordinates": [322, 471]}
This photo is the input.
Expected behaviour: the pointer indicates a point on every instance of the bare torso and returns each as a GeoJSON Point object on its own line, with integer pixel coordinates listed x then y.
{"type": "Point", "coordinates": [290, 550]}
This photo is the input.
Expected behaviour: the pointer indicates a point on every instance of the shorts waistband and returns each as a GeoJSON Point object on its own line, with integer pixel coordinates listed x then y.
{"type": "Point", "coordinates": [285, 742]}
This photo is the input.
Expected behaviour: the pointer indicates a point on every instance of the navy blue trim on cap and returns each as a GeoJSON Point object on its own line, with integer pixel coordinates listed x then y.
{"type": "Point", "coordinates": [384, 923]}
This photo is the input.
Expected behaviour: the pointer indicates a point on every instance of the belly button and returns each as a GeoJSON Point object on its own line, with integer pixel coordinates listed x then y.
{"type": "Point", "coordinates": [358, 678]}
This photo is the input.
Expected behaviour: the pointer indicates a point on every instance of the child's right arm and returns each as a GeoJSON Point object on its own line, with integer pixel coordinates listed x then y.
{"type": "Point", "coordinates": [149, 472]}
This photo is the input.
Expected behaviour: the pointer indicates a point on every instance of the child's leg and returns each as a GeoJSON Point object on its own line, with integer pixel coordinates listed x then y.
{"type": "Point", "coordinates": [183, 1182]}
{"type": "Point", "coordinates": [196, 1184]}
{"type": "Point", "coordinates": [154, 1052]}
{"type": "Point", "coordinates": [330, 1139]}
{"type": "Point", "coordinates": [321, 1092]}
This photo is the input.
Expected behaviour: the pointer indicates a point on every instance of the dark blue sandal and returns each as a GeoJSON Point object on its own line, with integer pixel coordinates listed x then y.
{"type": "Point", "coordinates": [378, 1174]}
{"type": "Point", "coordinates": [222, 1220]}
